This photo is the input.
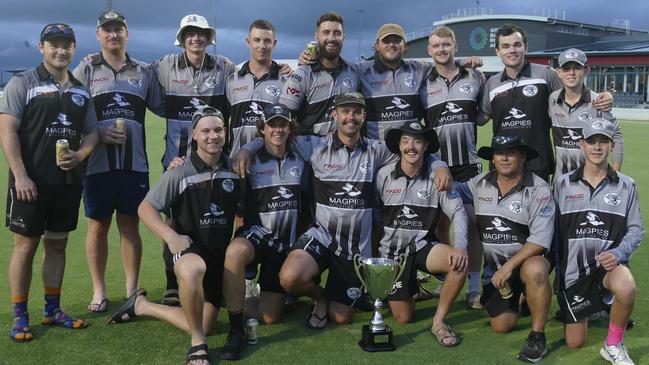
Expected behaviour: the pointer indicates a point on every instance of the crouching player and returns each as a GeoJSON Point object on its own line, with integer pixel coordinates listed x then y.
{"type": "Point", "coordinates": [599, 228]}
{"type": "Point", "coordinates": [411, 210]}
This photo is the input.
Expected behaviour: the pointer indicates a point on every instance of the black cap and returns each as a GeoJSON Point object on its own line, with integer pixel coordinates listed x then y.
{"type": "Point", "coordinates": [57, 30]}
{"type": "Point", "coordinates": [276, 111]}
{"type": "Point", "coordinates": [350, 97]}
{"type": "Point", "coordinates": [506, 142]}
{"type": "Point", "coordinates": [207, 111]}
{"type": "Point", "coordinates": [394, 135]}
{"type": "Point", "coordinates": [111, 16]}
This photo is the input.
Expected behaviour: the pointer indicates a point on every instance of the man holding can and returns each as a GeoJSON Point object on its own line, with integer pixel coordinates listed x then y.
{"type": "Point", "coordinates": [117, 173]}
{"type": "Point", "coordinates": [514, 213]}
{"type": "Point", "coordinates": [41, 106]}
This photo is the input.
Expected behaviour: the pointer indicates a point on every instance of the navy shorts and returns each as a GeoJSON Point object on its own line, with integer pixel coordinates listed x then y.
{"type": "Point", "coordinates": [56, 209]}
{"type": "Point", "coordinates": [120, 191]}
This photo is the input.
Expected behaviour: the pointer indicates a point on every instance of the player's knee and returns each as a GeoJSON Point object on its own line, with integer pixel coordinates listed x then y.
{"type": "Point", "coordinates": [341, 317]}
{"type": "Point", "coordinates": [575, 342]}
{"type": "Point", "coordinates": [535, 273]}
{"type": "Point", "coordinates": [502, 326]}
{"type": "Point", "coordinates": [402, 317]}
{"type": "Point", "coordinates": [270, 318]}
{"type": "Point", "coordinates": [237, 253]}
{"type": "Point", "coordinates": [191, 271]}
{"type": "Point", "coordinates": [289, 279]}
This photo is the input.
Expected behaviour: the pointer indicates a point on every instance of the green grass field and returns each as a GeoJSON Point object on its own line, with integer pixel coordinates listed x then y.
{"type": "Point", "coordinates": [146, 341]}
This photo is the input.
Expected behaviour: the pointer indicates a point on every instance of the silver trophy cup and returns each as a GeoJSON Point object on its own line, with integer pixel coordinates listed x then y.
{"type": "Point", "coordinates": [378, 276]}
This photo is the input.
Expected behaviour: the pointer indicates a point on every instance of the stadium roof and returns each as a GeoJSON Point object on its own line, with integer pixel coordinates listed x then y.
{"type": "Point", "coordinates": [605, 46]}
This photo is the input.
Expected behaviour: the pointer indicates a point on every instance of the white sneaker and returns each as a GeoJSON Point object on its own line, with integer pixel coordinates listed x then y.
{"type": "Point", "coordinates": [472, 300]}
{"type": "Point", "coordinates": [616, 354]}
{"type": "Point", "coordinates": [252, 289]}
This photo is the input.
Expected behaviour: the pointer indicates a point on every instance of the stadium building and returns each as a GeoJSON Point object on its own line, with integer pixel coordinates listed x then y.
{"type": "Point", "coordinates": [617, 54]}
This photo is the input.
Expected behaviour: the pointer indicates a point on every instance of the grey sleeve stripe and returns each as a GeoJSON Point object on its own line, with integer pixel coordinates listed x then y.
{"type": "Point", "coordinates": [635, 229]}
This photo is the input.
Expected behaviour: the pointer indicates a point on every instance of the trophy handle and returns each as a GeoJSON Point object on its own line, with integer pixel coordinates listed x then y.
{"type": "Point", "coordinates": [402, 266]}
{"type": "Point", "coordinates": [357, 267]}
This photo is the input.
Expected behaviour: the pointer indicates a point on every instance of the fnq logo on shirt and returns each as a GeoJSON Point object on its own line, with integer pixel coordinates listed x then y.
{"type": "Point", "coordinates": [410, 82]}
{"type": "Point", "coordinates": [612, 199]}
{"type": "Point", "coordinates": [530, 90]}
{"type": "Point", "coordinates": [423, 194]}
{"type": "Point", "coordinates": [78, 99]}
{"type": "Point", "coordinates": [273, 90]}
{"type": "Point", "coordinates": [228, 185]}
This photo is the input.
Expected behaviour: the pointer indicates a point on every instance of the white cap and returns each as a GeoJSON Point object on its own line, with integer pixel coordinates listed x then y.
{"type": "Point", "coordinates": [194, 20]}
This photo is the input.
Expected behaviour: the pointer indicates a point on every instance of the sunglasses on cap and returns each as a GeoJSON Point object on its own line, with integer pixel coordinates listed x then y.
{"type": "Point", "coordinates": [207, 111]}
{"type": "Point", "coordinates": [57, 30]}
{"type": "Point", "coordinates": [506, 139]}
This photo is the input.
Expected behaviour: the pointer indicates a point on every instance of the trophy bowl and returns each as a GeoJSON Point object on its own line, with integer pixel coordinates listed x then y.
{"type": "Point", "coordinates": [378, 276]}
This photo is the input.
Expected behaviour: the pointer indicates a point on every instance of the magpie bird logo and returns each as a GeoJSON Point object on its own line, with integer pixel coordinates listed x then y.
{"type": "Point", "coordinates": [592, 219]}
{"type": "Point", "coordinates": [398, 103]}
{"type": "Point", "coordinates": [282, 192]}
{"type": "Point", "coordinates": [215, 211]}
{"type": "Point", "coordinates": [349, 190]}
{"type": "Point", "coordinates": [452, 107]}
{"type": "Point", "coordinates": [119, 100]}
{"type": "Point", "coordinates": [516, 113]}
{"type": "Point", "coordinates": [62, 119]}
{"type": "Point", "coordinates": [407, 212]}
{"type": "Point", "coordinates": [498, 225]}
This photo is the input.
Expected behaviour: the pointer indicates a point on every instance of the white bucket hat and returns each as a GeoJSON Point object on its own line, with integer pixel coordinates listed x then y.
{"type": "Point", "coordinates": [194, 20]}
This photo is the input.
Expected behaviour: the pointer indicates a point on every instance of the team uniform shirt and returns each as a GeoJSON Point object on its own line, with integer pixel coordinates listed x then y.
{"type": "Point", "coordinates": [187, 90]}
{"type": "Point", "coordinates": [519, 107]}
{"type": "Point", "coordinates": [594, 220]}
{"type": "Point", "coordinates": [48, 112]}
{"type": "Point", "coordinates": [202, 202]}
{"type": "Point", "coordinates": [411, 210]}
{"type": "Point", "coordinates": [506, 223]}
{"type": "Point", "coordinates": [567, 124]}
{"type": "Point", "coordinates": [273, 190]}
{"type": "Point", "coordinates": [391, 96]}
{"type": "Point", "coordinates": [311, 92]}
{"type": "Point", "coordinates": [123, 93]}
{"type": "Point", "coordinates": [451, 108]}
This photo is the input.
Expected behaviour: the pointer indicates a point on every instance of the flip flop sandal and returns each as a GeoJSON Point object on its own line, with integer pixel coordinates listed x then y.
{"type": "Point", "coordinates": [191, 356]}
{"type": "Point", "coordinates": [312, 315]}
{"type": "Point", "coordinates": [455, 339]}
{"type": "Point", "coordinates": [98, 307]}
{"type": "Point", "coordinates": [126, 311]}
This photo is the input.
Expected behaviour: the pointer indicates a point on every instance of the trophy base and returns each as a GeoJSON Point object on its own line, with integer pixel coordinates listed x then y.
{"type": "Point", "coordinates": [376, 341]}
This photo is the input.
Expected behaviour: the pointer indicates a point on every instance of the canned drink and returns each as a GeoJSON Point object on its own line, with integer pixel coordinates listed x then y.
{"type": "Point", "coordinates": [251, 331]}
{"type": "Point", "coordinates": [120, 123]}
{"type": "Point", "coordinates": [506, 291]}
{"type": "Point", "coordinates": [314, 51]}
{"type": "Point", "coordinates": [62, 147]}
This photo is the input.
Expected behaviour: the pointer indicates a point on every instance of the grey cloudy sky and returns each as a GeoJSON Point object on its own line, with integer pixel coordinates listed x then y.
{"type": "Point", "coordinates": [153, 24]}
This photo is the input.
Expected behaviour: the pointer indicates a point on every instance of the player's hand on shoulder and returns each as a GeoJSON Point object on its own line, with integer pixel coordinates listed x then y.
{"type": "Point", "coordinates": [177, 161]}
{"type": "Point", "coordinates": [285, 69]}
{"type": "Point", "coordinates": [241, 162]}
{"type": "Point", "coordinates": [443, 179]}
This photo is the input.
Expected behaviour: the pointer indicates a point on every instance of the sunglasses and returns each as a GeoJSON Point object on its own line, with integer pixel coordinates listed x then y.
{"type": "Point", "coordinates": [207, 111]}
{"type": "Point", "coordinates": [505, 139]}
{"type": "Point", "coordinates": [58, 29]}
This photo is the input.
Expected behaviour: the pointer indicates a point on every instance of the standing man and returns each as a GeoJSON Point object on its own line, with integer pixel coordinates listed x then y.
{"type": "Point", "coordinates": [256, 85]}
{"type": "Point", "coordinates": [599, 229]}
{"type": "Point", "coordinates": [311, 90]}
{"type": "Point", "coordinates": [450, 96]}
{"type": "Point", "coordinates": [571, 109]}
{"type": "Point", "coordinates": [514, 212]}
{"type": "Point", "coordinates": [517, 98]}
{"type": "Point", "coordinates": [117, 173]}
{"type": "Point", "coordinates": [272, 200]}
{"type": "Point", "coordinates": [190, 81]}
{"type": "Point", "coordinates": [202, 196]}
{"type": "Point", "coordinates": [41, 106]}
{"type": "Point", "coordinates": [411, 210]}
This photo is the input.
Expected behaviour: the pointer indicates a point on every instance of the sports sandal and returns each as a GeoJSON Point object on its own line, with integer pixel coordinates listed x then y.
{"type": "Point", "coordinates": [447, 338]}
{"type": "Point", "coordinates": [192, 356]}
{"type": "Point", "coordinates": [126, 311]}
{"type": "Point", "coordinates": [98, 307]}
{"type": "Point", "coordinates": [20, 331]}
{"type": "Point", "coordinates": [324, 319]}
{"type": "Point", "coordinates": [64, 320]}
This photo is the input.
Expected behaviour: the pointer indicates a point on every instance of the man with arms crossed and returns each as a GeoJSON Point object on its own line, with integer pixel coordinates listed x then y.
{"type": "Point", "coordinates": [599, 229]}
{"type": "Point", "coordinates": [514, 212]}
{"type": "Point", "coordinates": [117, 171]}
{"type": "Point", "coordinates": [202, 196]}
{"type": "Point", "coordinates": [411, 209]}
{"type": "Point", "coordinates": [39, 107]}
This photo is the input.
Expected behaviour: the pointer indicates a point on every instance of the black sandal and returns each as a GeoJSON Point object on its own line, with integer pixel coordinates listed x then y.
{"type": "Point", "coordinates": [191, 356]}
{"type": "Point", "coordinates": [324, 320]}
{"type": "Point", "coordinates": [126, 311]}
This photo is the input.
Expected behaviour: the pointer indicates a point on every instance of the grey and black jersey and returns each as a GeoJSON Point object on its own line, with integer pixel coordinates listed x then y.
{"type": "Point", "coordinates": [187, 90]}
{"type": "Point", "coordinates": [594, 220]}
{"type": "Point", "coordinates": [519, 107]}
{"type": "Point", "coordinates": [506, 223]}
{"type": "Point", "coordinates": [123, 93]}
{"type": "Point", "coordinates": [247, 97]}
{"type": "Point", "coordinates": [202, 202]}
{"type": "Point", "coordinates": [411, 210]}
{"type": "Point", "coordinates": [451, 107]}
{"type": "Point", "coordinates": [48, 111]}
{"type": "Point", "coordinates": [391, 96]}
{"type": "Point", "coordinates": [311, 91]}
{"type": "Point", "coordinates": [273, 189]}
{"type": "Point", "coordinates": [567, 124]}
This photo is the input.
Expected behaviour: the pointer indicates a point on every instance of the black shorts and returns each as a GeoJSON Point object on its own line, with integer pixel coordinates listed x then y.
{"type": "Point", "coordinates": [343, 286]}
{"type": "Point", "coordinates": [462, 173]}
{"type": "Point", "coordinates": [267, 257]}
{"type": "Point", "coordinates": [213, 279]}
{"type": "Point", "coordinates": [585, 297]}
{"type": "Point", "coordinates": [120, 191]}
{"type": "Point", "coordinates": [56, 209]}
{"type": "Point", "coordinates": [493, 301]}
{"type": "Point", "coordinates": [407, 286]}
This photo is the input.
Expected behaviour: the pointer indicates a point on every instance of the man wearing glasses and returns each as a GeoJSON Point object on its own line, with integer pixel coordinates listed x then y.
{"type": "Point", "coordinates": [42, 107]}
